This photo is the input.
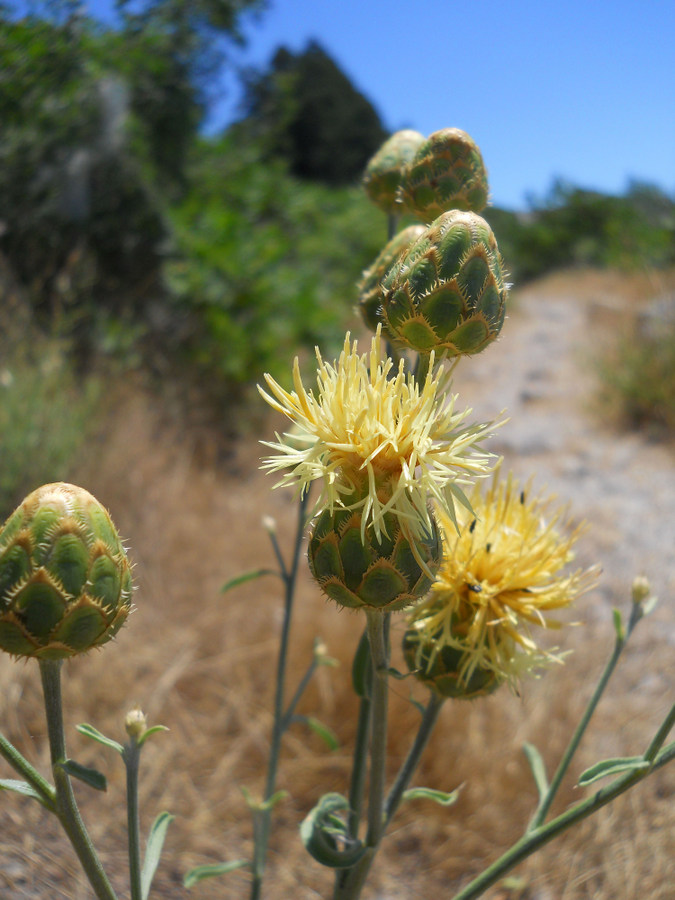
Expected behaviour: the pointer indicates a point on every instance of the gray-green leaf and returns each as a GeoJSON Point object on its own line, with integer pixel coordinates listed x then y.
{"type": "Point", "coordinates": [93, 733]}
{"type": "Point", "coordinates": [92, 777]}
{"type": "Point", "coordinates": [613, 767]}
{"type": "Point", "coordinates": [25, 789]}
{"type": "Point", "coordinates": [199, 873]}
{"type": "Point", "coordinates": [538, 768]}
{"type": "Point", "coordinates": [153, 851]}
{"type": "Point", "coordinates": [247, 576]}
{"type": "Point", "coordinates": [439, 797]}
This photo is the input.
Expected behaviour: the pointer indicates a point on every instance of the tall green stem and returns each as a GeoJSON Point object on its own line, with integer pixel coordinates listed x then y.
{"type": "Point", "coordinates": [355, 877]}
{"type": "Point", "coordinates": [407, 770]}
{"type": "Point", "coordinates": [66, 807]}
{"type": "Point", "coordinates": [262, 817]}
{"type": "Point", "coordinates": [620, 642]}
{"type": "Point", "coordinates": [532, 840]}
{"type": "Point", "coordinates": [132, 758]}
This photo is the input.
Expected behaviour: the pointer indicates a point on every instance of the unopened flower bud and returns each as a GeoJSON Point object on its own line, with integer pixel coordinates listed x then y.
{"type": "Point", "coordinates": [447, 292]}
{"type": "Point", "coordinates": [65, 580]}
{"type": "Point", "coordinates": [135, 723]}
{"type": "Point", "coordinates": [357, 570]}
{"type": "Point", "coordinates": [383, 174]}
{"type": "Point", "coordinates": [640, 589]}
{"type": "Point", "coordinates": [446, 172]}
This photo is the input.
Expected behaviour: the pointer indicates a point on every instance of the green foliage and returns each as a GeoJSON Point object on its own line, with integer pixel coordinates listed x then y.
{"type": "Point", "coordinates": [573, 226]}
{"type": "Point", "coordinates": [46, 416]}
{"type": "Point", "coordinates": [310, 114]}
{"type": "Point", "coordinates": [638, 379]}
{"type": "Point", "coordinates": [263, 264]}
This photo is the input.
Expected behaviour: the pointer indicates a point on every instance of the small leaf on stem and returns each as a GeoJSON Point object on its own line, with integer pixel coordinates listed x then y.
{"type": "Point", "coordinates": [612, 767]}
{"type": "Point", "coordinates": [199, 873]}
{"type": "Point", "coordinates": [153, 851]}
{"type": "Point", "coordinates": [538, 768]}
{"type": "Point", "coordinates": [440, 797]}
{"type": "Point", "coordinates": [89, 776]}
{"type": "Point", "coordinates": [93, 733]}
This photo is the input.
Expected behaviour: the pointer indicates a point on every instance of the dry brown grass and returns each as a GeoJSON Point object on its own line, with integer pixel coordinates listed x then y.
{"type": "Point", "coordinates": [202, 663]}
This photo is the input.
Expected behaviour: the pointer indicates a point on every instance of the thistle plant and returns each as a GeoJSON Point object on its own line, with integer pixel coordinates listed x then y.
{"type": "Point", "coordinates": [65, 589]}
{"type": "Point", "coordinates": [391, 477]}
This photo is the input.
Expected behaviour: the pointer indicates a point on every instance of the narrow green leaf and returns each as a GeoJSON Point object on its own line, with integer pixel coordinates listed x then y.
{"type": "Point", "coordinates": [199, 873]}
{"type": "Point", "coordinates": [93, 733]}
{"type": "Point", "coordinates": [362, 668]}
{"type": "Point", "coordinates": [538, 768]}
{"type": "Point", "coordinates": [612, 767]}
{"type": "Point", "coordinates": [261, 805]}
{"type": "Point", "coordinates": [618, 625]}
{"type": "Point", "coordinates": [323, 731]}
{"type": "Point", "coordinates": [149, 732]}
{"type": "Point", "coordinates": [439, 797]}
{"type": "Point", "coordinates": [25, 789]}
{"type": "Point", "coordinates": [247, 576]}
{"type": "Point", "coordinates": [92, 777]}
{"type": "Point", "coordinates": [325, 835]}
{"type": "Point", "coordinates": [399, 676]}
{"type": "Point", "coordinates": [153, 851]}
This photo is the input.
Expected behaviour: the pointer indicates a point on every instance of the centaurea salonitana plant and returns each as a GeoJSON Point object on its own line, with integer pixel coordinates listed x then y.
{"type": "Point", "coordinates": [504, 572]}
{"type": "Point", "coordinates": [381, 445]}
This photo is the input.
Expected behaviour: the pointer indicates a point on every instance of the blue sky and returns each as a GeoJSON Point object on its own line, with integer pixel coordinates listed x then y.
{"type": "Point", "coordinates": [579, 89]}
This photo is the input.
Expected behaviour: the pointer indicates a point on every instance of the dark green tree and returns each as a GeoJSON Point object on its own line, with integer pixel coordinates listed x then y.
{"type": "Point", "coordinates": [307, 111]}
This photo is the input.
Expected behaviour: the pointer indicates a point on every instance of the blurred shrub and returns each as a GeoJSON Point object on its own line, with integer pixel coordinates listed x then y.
{"type": "Point", "coordinates": [572, 227]}
{"type": "Point", "coordinates": [306, 111]}
{"type": "Point", "coordinates": [263, 265]}
{"type": "Point", "coordinates": [47, 413]}
{"type": "Point", "coordinates": [638, 379]}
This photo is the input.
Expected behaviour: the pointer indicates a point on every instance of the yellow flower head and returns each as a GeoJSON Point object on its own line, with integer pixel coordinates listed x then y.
{"type": "Point", "coordinates": [377, 440]}
{"type": "Point", "coordinates": [500, 577]}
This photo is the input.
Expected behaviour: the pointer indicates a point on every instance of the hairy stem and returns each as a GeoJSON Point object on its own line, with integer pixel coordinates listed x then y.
{"type": "Point", "coordinates": [66, 807]}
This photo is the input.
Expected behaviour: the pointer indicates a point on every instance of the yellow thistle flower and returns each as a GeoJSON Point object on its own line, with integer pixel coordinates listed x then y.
{"type": "Point", "coordinates": [500, 577]}
{"type": "Point", "coordinates": [378, 441]}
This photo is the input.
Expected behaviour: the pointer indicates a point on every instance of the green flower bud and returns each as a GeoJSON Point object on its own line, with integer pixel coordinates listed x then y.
{"type": "Point", "coordinates": [65, 580]}
{"type": "Point", "coordinates": [360, 572]}
{"type": "Point", "coordinates": [447, 293]}
{"type": "Point", "coordinates": [439, 668]}
{"type": "Point", "coordinates": [446, 172]}
{"type": "Point", "coordinates": [370, 286]}
{"type": "Point", "coordinates": [385, 170]}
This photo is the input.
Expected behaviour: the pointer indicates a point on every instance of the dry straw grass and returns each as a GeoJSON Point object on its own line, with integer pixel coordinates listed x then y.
{"type": "Point", "coordinates": [202, 664]}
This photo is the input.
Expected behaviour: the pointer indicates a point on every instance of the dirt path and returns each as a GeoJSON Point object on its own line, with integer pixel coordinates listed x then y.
{"type": "Point", "coordinates": [621, 483]}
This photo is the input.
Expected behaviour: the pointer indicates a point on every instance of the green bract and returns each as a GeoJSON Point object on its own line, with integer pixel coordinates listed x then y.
{"type": "Point", "coordinates": [383, 174]}
{"type": "Point", "coordinates": [439, 669]}
{"type": "Point", "coordinates": [360, 572]}
{"type": "Point", "coordinates": [447, 292]}
{"type": "Point", "coordinates": [446, 172]}
{"type": "Point", "coordinates": [65, 580]}
{"type": "Point", "coordinates": [370, 286]}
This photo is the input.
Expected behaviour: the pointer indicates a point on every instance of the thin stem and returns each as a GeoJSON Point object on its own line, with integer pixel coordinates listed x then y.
{"type": "Point", "coordinates": [262, 818]}
{"type": "Point", "coordinates": [32, 776]}
{"type": "Point", "coordinates": [355, 878]}
{"type": "Point", "coordinates": [660, 736]}
{"type": "Point", "coordinates": [378, 746]}
{"type": "Point", "coordinates": [358, 782]}
{"type": "Point", "coordinates": [392, 222]}
{"type": "Point", "coordinates": [407, 770]}
{"type": "Point", "coordinates": [304, 681]}
{"type": "Point", "coordinates": [546, 801]}
{"type": "Point", "coordinates": [132, 758]}
{"type": "Point", "coordinates": [66, 807]}
{"type": "Point", "coordinates": [532, 840]}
